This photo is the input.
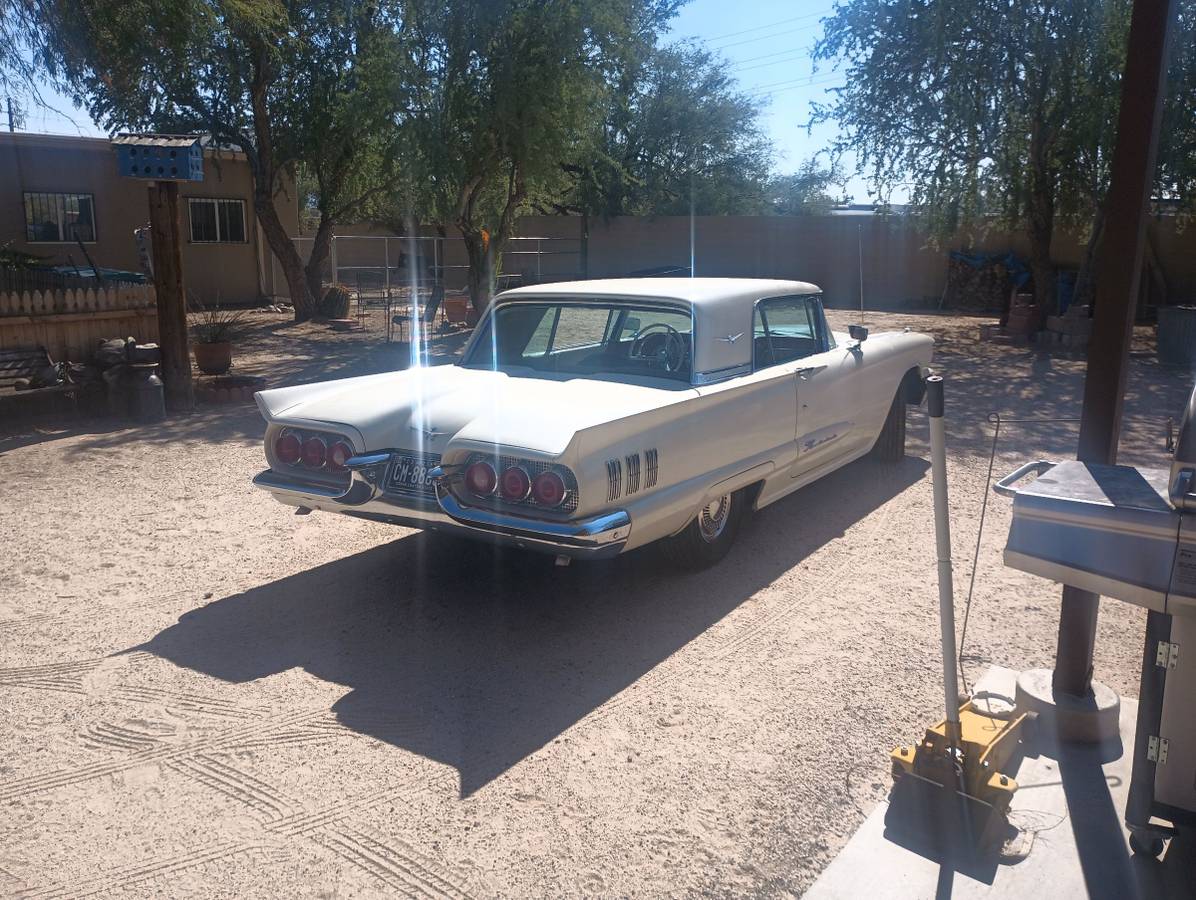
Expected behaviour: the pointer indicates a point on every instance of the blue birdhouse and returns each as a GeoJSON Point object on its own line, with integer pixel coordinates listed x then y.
{"type": "Point", "coordinates": [159, 157]}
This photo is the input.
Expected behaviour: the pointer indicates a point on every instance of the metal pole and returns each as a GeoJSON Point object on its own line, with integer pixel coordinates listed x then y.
{"type": "Point", "coordinates": [942, 537]}
{"type": "Point", "coordinates": [860, 246]}
{"type": "Point", "coordinates": [692, 258]}
{"type": "Point", "coordinates": [332, 259]}
{"type": "Point", "coordinates": [1118, 269]}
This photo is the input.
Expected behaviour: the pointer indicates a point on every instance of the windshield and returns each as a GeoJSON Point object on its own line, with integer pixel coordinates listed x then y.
{"type": "Point", "coordinates": [583, 338]}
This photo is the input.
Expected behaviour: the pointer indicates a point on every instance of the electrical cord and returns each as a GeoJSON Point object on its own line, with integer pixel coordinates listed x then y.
{"type": "Point", "coordinates": [996, 421]}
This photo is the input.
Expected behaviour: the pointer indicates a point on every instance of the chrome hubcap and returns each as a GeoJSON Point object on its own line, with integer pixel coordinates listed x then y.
{"type": "Point", "coordinates": [713, 518]}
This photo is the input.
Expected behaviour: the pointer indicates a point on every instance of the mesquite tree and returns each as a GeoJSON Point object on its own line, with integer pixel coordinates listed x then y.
{"type": "Point", "coordinates": [313, 81]}
{"type": "Point", "coordinates": [505, 91]}
{"type": "Point", "coordinates": [988, 111]}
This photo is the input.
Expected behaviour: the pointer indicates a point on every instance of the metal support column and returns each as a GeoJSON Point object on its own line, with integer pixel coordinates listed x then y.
{"type": "Point", "coordinates": [1117, 273]}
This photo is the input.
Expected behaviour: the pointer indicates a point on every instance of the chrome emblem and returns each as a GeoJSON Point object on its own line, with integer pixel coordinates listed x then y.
{"type": "Point", "coordinates": [429, 432]}
{"type": "Point", "coordinates": [731, 338]}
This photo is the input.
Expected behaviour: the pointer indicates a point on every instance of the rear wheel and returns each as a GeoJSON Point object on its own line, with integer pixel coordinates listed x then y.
{"type": "Point", "coordinates": [890, 446]}
{"type": "Point", "coordinates": [709, 537]}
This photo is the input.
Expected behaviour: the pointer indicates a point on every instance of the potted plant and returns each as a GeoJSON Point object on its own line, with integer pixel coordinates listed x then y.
{"type": "Point", "coordinates": [213, 338]}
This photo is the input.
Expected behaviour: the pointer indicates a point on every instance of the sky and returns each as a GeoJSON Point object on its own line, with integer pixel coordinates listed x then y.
{"type": "Point", "coordinates": [766, 42]}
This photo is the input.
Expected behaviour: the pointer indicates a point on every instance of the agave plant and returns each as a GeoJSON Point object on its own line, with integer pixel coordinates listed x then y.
{"type": "Point", "coordinates": [217, 325]}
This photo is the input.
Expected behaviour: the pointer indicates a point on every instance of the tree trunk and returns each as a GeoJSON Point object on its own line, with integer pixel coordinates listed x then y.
{"type": "Point", "coordinates": [264, 169]}
{"type": "Point", "coordinates": [1040, 223]}
{"type": "Point", "coordinates": [314, 271]}
{"type": "Point", "coordinates": [480, 277]}
{"type": "Point", "coordinates": [1082, 293]}
{"type": "Point", "coordinates": [288, 257]}
{"type": "Point", "coordinates": [585, 245]}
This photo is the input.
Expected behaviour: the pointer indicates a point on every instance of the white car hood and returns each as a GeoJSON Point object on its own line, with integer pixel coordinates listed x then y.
{"type": "Point", "coordinates": [426, 408]}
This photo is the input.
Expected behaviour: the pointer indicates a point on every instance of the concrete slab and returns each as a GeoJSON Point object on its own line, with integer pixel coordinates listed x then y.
{"type": "Point", "coordinates": [1070, 841]}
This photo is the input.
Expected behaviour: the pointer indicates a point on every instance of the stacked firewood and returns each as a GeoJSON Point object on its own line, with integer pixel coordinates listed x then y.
{"type": "Point", "coordinates": [983, 287]}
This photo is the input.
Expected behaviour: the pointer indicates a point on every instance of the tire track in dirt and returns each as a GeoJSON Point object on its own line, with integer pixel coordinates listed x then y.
{"type": "Point", "coordinates": [128, 876]}
{"type": "Point", "coordinates": [90, 612]}
{"type": "Point", "coordinates": [47, 781]}
{"type": "Point", "coordinates": [401, 869]}
{"type": "Point", "coordinates": [756, 628]}
{"type": "Point", "coordinates": [118, 737]}
{"type": "Point", "coordinates": [212, 706]}
{"type": "Point", "coordinates": [269, 804]}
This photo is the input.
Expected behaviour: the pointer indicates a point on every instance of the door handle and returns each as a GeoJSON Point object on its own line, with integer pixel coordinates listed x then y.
{"type": "Point", "coordinates": [807, 371]}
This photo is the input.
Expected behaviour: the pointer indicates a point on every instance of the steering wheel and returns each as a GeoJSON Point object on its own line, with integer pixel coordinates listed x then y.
{"type": "Point", "coordinates": [672, 351]}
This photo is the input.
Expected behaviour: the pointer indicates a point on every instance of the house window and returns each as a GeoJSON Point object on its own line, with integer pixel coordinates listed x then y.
{"type": "Point", "coordinates": [217, 221]}
{"type": "Point", "coordinates": [59, 218]}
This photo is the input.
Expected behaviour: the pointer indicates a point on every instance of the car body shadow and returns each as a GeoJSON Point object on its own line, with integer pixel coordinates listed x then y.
{"type": "Point", "coordinates": [477, 657]}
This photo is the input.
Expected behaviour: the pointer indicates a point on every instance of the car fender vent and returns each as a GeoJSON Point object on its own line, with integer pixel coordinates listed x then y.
{"type": "Point", "coordinates": [633, 473]}
{"type": "Point", "coordinates": [614, 479]}
{"type": "Point", "coordinates": [651, 468]}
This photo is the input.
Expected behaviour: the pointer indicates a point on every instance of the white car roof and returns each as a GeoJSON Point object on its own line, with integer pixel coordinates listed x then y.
{"type": "Point", "coordinates": [695, 291]}
{"type": "Point", "coordinates": [722, 310]}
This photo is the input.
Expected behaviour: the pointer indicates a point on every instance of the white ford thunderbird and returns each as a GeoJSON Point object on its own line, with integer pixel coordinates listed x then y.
{"type": "Point", "coordinates": [589, 418]}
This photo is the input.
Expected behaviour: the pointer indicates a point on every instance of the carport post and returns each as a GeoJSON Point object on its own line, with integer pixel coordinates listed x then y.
{"type": "Point", "coordinates": [166, 247]}
{"type": "Point", "coordinates": [1117, 273]}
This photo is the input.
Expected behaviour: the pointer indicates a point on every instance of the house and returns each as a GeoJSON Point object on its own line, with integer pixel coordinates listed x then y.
{"type": "Point", "coordinates": [57, 192]}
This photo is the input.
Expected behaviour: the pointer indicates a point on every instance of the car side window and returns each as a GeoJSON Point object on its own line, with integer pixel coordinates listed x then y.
{"type": "Point", "coordinates": [785, 329]}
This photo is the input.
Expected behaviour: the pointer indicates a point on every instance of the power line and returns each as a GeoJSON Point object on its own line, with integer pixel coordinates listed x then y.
{"type": "Point", "coordinates": [803, 53]}
{"type": "Point", "coordinates": [719, 37]}
{"type": "Point", "coordinates": [782, 86]}
{"type": "Point", "coordinates": [765, 37]}
{"type": "Point", "coordinates": [736, 63]}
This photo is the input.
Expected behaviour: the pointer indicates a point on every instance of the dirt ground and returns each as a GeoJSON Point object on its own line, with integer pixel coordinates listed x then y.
{"type": "Point", "coordinates": [205, 695]}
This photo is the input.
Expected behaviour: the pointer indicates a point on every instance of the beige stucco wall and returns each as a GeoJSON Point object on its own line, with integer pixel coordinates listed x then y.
{"type": "Point", "coordinates": [230, 273]}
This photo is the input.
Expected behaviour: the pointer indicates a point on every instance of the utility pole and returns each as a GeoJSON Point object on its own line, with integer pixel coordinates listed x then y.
{"type": "Point", "coordinates": [1117, 275]}
{"type": "Point", "coordinates": [12, 126]}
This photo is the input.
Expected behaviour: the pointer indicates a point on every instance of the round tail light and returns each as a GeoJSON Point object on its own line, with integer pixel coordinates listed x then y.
{"type": "Point", "coordinates": [338, 455]}
{"type": "Point", "coordinates": [315, 452]}
{"type": "Point", "coordinates": [548, 489]}
{"type": "Point", "coordinates": [515, 484]}
{"type": "Point", "coordinates": [481, 479]}
{"type": "Point", "coordinates": [288, 448]}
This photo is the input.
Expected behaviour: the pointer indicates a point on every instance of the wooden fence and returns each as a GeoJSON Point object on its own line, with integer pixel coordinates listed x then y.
{"type": "Point", "coordinates": [70, 323]}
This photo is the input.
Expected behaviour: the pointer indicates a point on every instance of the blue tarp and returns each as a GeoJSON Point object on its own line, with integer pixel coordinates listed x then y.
{"type": "Point", "coordinates": [1019, 274]}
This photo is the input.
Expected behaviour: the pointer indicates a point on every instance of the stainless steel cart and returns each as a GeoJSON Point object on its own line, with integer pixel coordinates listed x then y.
{"type": "Point", "coordinates": [1130, 534]}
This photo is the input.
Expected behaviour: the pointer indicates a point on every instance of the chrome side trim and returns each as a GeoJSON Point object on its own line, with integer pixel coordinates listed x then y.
{"type": "Point", "coordinates": [713, 377]}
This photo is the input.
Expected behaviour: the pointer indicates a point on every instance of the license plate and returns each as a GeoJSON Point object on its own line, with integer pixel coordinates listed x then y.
{"type": "Point", "coordinates": [412, 474]}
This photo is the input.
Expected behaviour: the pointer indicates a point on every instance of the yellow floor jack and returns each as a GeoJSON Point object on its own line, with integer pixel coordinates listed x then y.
{"type": "Point", "coordinates": [966, 755]}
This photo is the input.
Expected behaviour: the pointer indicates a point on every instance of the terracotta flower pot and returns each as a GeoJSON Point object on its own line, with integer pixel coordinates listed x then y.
{"type": "Point", "coordinates": [214, 359]}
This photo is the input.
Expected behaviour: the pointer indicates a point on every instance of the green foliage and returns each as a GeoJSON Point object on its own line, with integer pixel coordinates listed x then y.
{"type": "Point", "coordinates": [997, 112]}
{"type": "Point", "coordinates": [676, 129]}
{"type": "Point", "coordinates": [315, 83]}
{"type": "Point", "coordinates": [505, 91]}
{"type": "Point", "coordinates": [806, 192]}
{"type": "Point", "coordinates": [336, 302]}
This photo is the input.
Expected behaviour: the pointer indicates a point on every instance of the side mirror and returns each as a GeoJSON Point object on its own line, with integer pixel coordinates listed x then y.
{"type": "Point", "coordinates": [857, 332]}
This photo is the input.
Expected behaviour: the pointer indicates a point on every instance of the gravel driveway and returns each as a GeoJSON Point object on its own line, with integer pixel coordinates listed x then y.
{"type": "Point", "coordinates": [205, 695]}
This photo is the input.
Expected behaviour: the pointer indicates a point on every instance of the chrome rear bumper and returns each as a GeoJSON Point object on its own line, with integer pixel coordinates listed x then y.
{"type": "Point", "coordinates": [595, 538]}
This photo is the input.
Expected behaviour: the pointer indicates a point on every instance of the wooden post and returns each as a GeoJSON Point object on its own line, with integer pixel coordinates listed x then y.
{"type": "Point", "coordinates": [171, 298]}
{"type": "Point", "coordinates": [1117, 273]}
